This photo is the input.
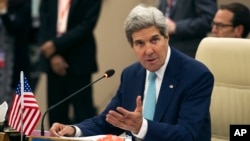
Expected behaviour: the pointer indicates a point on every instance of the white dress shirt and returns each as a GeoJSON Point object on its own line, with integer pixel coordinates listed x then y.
{"type": "Point", "coordinates": [62, 17]}
{"type": "Point", "coordinates": [158, 80]}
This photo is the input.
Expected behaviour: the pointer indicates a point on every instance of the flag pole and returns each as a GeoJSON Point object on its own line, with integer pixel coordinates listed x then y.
{"type": "Point", "coordinates": [22, 101]}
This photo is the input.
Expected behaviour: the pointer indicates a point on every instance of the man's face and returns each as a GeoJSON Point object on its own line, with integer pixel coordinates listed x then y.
{"type": "Point", "coordinates": [150, 47]}
{"type": "Point", "coordinates": [222, 25]}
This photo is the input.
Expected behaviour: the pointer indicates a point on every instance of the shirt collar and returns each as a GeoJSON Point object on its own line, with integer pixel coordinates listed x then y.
{"type": "Point", "coordinates": [161, 71]}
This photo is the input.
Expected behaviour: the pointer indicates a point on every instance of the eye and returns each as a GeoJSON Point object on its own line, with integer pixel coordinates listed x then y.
{"type": "Point", "coordinates": [139, 43]}
{"type": "Point", "coordinates": [155, 40]}
{"type": "Point", "coordinates": [220, 25]}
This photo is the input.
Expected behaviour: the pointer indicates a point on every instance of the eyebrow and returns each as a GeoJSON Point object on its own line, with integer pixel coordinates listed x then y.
{"type": "Point", "coordinates": [154, 36]}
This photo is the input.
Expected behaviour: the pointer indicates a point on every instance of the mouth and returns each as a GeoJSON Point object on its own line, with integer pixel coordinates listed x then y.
{"type": "Point", "coordinates": [150, 60]}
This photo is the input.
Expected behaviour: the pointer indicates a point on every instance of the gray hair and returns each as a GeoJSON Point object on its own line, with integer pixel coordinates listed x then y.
{"type": "Point", "coordinates": [143, 17]}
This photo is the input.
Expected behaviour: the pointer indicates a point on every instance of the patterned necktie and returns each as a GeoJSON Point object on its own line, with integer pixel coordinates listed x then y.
{"type": "Point", "coordinates": [150, 99]}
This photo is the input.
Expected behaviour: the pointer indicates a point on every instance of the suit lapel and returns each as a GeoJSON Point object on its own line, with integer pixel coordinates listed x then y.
{"type": "Point", "coordinates": [137, 83]}
{"type": "Point", "coordinates": [141, 78]}
{"type": "Point", "coordinates": [177, 3]}
{"type": "Point", "coordinates": [168, 86]}
{"type": "Point", "coordinates": [53, 12]}
{"type": "Point", "coordinates": [72, 5]}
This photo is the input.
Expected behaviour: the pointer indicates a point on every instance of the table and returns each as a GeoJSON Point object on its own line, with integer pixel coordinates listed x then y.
{"type": "Point", "coordinates": [4, 136]}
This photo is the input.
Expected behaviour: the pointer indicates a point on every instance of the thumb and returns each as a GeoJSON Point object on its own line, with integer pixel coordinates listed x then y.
{"type": "Point", "coordinates": [138, 104]}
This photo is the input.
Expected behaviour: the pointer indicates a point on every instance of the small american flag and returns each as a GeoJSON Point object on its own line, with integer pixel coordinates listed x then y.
{"type": "Point", "coordinates": [25, 112]}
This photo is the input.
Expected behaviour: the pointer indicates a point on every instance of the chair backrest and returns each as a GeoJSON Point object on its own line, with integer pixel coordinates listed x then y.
{"type": "Point", "coordinates": [229, 61]}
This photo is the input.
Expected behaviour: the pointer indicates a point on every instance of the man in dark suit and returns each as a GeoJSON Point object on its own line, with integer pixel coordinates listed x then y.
{"type": "Point", "coordinates": [183, 90]}
{"type": "Point", "coordinates": [188, 22]}
{"type": "Point", "coordinates": [69, 54]}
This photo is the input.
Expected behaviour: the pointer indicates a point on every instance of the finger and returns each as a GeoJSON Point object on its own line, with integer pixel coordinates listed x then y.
{"type": "Point", "coordinates": [115, 115]}
{"type": "Point", "coordinates": [113, 119]}
{"type": "Point", "coordinates": [66, 131]}
{"type": "Point", "coordinates": [61, 72]}
{"type": "Point", "coordinates": [123, 112]}
{"type": "Point", "coordinates": [138, 104]}
{"type": "Point", "coordinates": [60, 69]}
{"type": "Point", "coordinates": [129, 119]}
{"type": "Point", "coordinates": [56, 127]}
{"type": "Point", "coordinates": [116, 119]}
{"type": "Point", "coordinates": [66, 65]}
{"type": "Point", "coordinates": [54, 134]}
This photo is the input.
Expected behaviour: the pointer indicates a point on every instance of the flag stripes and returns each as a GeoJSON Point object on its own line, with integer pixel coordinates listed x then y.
{"type": "Point", "coordinates": [24, 119]}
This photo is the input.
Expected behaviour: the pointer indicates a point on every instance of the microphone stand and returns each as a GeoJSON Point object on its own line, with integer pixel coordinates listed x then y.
{"type": "Point", "coordinates": [106, 75]}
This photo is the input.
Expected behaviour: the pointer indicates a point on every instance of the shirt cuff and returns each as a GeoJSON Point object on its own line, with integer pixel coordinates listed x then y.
{"type": "Point", "coordinates": [143, 130]}
{"type": "Point", "coordinates": [78, 131]}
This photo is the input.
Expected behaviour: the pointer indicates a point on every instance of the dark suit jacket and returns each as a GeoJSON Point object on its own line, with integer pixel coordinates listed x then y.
{"type": "Point", "coordinates": [77, 45]}
{"type": "Point", "coordinates": [18, 21]}
{"type": "Point", "coordinates": [193, 21]}
{"type": "Point", "coordinates": [182, 112]}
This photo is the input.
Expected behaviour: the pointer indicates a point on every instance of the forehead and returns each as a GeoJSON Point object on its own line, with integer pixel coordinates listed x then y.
{"type": "Point", "coordinates": [223, 16]}
{"type": "Point", "coordinates": [145, 33]}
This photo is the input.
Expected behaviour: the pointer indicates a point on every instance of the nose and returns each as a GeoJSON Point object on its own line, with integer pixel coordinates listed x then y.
{"type": "Point", "coordinates": [149, 49]}
{"type": "Point", "coordinates": [214, 29]}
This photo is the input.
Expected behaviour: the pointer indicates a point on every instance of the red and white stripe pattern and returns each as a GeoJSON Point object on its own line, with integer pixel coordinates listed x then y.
{"type": "Point", "coordinates": [24, 119]}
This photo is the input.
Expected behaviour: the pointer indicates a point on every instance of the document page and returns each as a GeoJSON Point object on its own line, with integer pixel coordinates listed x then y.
{"type": "Point", "coordinates": [100, 138]}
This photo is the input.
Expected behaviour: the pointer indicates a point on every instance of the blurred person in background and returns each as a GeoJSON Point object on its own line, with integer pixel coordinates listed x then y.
{"type": "Point", "coordinates": [34, 46]}
{"type": "Point", "coordinates": [68, 56]}
{"type": "Point", "coordinates": [188, 22]}
{"type": "Point", "coordinates": [15, 34]}
{"type": "Point", "coordinates": [17, 21]}
{"type": "Point", "coordinates": [6, 59]}
{"type": "Point", "coordinates": [231, 20]}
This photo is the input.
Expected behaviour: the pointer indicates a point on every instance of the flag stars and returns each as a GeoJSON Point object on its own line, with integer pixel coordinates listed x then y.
{"type": "Point", "coordinates": [27, 87]}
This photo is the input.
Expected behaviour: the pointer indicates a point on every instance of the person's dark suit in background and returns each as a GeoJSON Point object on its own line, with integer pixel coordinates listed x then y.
{"type": "Point", "coordinates": [183, 87]}
{"type": "Point", "coordinates": [69, 58]}
{"type": "Point", "coordinates": [189, 21]}
{"type": "Point", "coordinates": [17, 21]}
{"type": "Point", "coordinates": [6, 59]}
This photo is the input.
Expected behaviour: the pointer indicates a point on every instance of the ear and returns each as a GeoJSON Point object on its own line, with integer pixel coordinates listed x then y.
{"type": "Point", "coordinates": [239, 31]}
{"type": "Point", "coordinates": [167, 36]}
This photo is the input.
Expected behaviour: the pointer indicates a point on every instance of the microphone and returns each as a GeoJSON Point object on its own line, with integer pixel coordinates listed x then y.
{"type": "Point", "coordinates": [107, 74]}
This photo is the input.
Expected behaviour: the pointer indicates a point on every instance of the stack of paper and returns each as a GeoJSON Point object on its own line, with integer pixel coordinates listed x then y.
{"type": "Point", "coordinates": [3, 111]}
{"type": "Point", "coordinates": [100, 138]}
